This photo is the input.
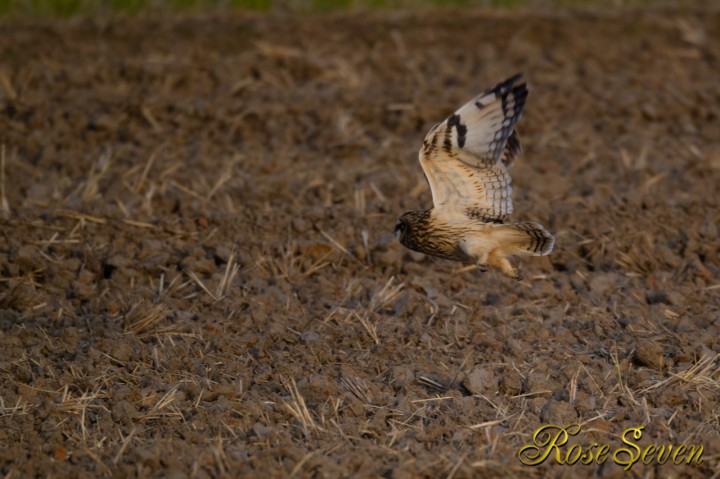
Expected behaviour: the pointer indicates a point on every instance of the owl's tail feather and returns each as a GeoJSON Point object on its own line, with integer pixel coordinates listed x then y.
{"type": "Point", "coordinates": [532, 238]}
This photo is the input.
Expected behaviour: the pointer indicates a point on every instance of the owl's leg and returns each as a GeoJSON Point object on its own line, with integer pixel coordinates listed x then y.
{"type": "Point", "coordinates": [482, 262]}
{"type": "Point", "coordinates": [497, 260]}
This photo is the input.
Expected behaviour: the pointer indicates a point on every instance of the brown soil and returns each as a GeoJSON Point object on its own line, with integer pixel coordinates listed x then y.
{"type": "Point", "coordinates": [198, 273]}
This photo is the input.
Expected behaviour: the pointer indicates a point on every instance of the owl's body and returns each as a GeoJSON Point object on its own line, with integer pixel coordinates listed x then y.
{"type": "Point", "coordinates": [465, 160]}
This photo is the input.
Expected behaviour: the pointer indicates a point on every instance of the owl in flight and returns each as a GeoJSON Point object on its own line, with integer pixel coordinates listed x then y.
{"type": "Point", "coordinates": [465, 160]}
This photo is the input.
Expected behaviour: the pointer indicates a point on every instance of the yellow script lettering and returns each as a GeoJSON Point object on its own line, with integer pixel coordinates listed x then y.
{"type": "Point", "coordinates": [574, 449]}
{"type": "Point", "coordinates": [662, 457]}
{"type": "Point", "coordinates": [547, 439]}
{"type": "Point", "coordinates": [692, 449]}
{"type": "Point", "coordinates": [602, 453]}
{"type": "Point", "coordinates": [680, 451]}
{"type": "Point", "coordinates": [648, 453]}
{"type": "Point", "coordinates": [631, 458]}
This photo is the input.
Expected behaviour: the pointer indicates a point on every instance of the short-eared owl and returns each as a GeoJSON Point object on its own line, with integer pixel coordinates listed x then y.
{"type": "Point", "coordinates": [465, 160]}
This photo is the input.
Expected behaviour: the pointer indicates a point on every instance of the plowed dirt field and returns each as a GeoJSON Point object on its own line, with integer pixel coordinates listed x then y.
{"type": "Point", "coordinates": [199, 277]}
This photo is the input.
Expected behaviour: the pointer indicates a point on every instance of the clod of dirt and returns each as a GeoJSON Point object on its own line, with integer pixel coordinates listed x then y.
{"type": "Point", "coordinates": [558, 412]}
{"type": "Point", "coordinates": [481, 380]}
{"type": "Point", "coordinates": [649, 353]}
{"type": "Point", "coordinates": [511, 382]}
{"type": "Point", "coordinates": [124, 412]}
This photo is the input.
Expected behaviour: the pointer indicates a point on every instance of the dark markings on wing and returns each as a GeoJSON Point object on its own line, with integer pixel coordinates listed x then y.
{"type": "Point", "coordinates": [447, 141]}
{"type": "Point", "coordinates": [484, 216]}
{"type": "Point", "coordinates": [465, 157]}
{"type": "Point", "coordinates": [513, 103]}
{"type": "Point", "coordinates": [484, 127]}
{"type": "Point", "coordinates": [498, 90]}
{"type": "Point", "coordinates": [512, 149]}
{"type": "Point", "coordinates": [453, 121]}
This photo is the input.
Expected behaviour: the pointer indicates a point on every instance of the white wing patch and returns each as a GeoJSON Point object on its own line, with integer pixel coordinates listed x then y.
{"type": "Point", "coordinates": [465, 157]}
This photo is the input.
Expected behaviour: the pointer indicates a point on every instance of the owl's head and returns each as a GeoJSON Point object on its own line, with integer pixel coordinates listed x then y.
{"type": "Point", "coordinates": [409, 226]}
{"type": "Point", "coordinates": [400, 228]}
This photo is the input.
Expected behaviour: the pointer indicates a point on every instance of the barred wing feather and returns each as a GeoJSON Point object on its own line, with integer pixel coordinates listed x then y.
{"type": "Point", "coordinates": [465, 158]}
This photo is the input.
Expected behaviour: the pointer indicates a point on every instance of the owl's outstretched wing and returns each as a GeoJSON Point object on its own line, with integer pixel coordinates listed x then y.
{"type": "Point", "coordinates": [465, 158]}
